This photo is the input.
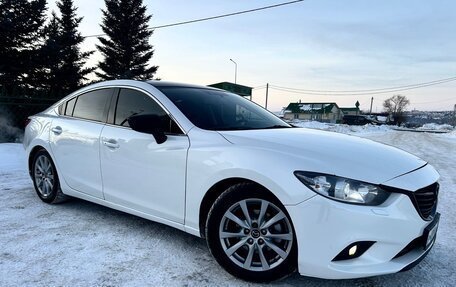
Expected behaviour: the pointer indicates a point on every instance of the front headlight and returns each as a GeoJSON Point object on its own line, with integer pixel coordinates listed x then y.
{"type": "Point", "coordinates": [343, 189]}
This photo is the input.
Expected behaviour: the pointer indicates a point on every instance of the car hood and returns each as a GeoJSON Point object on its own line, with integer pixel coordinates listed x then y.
{"type": "Point", "coordinates": [330, 153]}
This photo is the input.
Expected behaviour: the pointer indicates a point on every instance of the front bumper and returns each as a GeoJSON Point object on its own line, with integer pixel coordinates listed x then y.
{"type": "Point", "coordinates": [325, 227]}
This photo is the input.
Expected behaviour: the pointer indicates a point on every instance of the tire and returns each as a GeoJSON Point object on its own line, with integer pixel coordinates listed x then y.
{"type": "Point", "coordinates": [260, 248]}
{"type": "Point", "coordinates": [45, 178]}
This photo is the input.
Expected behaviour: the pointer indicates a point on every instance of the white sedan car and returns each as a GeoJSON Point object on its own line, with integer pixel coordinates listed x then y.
{"type": "Point", "coordinates": [269, 198]}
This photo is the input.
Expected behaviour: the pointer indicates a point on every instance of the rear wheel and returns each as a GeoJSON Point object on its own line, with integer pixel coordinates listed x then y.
{"type": "Point", "coordinates": [45, 178]}
{"type": "Point", "coordinates": [250, 234]}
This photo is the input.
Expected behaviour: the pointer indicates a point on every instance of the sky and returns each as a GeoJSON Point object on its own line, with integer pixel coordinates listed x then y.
{"type": "Point", "coordinates": [314, 44]}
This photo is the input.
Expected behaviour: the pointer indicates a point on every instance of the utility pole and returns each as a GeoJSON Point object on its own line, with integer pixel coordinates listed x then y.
{"type": "Point", "coordinates": [267, 91]}
{"type": "Point", "coordinates": [235, 70]}
{"type": "Point", "coordinates": [372, 101]}
{"type": "Point", "coordinates": [454, 116]}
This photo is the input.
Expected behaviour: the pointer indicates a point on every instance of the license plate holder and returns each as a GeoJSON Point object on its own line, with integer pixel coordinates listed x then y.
{"type": "Point", "coordinates": [430, 231]}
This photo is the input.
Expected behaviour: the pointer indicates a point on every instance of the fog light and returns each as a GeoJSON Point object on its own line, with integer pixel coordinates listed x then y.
{"type": "Point", "coordinates": [354, 250]}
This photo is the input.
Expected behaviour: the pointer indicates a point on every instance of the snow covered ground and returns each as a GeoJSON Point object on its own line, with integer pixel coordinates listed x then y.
{"type": "Point", "coordinates": [82, 244]}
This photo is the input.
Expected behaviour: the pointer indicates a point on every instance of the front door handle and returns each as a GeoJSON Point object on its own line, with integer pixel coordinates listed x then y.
{"type": "Point", "coordinates": [111, 143]}
{"type": "Point", "coordinates": [57, 130]}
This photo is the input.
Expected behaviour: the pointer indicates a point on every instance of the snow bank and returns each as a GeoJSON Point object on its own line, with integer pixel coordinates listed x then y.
{"type": "Point", "coordinates": [436, 127]}
{"type": "Point", "coordinates": [342, 128]}
{"type": "Point", "coordinates": [372, 129]}
{"type": "Point", "coordinates": [450, 135]}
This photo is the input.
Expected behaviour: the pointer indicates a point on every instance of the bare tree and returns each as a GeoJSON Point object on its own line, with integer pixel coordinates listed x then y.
{"type": "Point", "coordinates": [395, 106]}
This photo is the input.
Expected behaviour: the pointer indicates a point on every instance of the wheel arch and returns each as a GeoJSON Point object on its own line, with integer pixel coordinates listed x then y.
{"type": "Point", "coordinates": [31, 156]}
{"type": "Point", "coordinates": [215, 191]}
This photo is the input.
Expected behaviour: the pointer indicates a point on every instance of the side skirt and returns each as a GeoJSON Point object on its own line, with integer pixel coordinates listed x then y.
{"type": "Point", "coordinates": [130, 211]}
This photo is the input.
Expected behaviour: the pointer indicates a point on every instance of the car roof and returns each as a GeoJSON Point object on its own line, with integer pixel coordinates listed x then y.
{"type": "Point", "coordinates": [175, 84]}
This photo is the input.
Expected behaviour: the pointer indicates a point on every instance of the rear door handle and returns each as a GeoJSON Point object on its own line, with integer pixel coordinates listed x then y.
{"type": "Point", "coordinates": [111, 143]}
{"type": "Point", "coordinates": [57, 130]}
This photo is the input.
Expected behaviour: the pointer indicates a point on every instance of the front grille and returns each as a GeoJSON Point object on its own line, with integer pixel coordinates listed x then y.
{"type": "Point", "coordinates": [426, 200]}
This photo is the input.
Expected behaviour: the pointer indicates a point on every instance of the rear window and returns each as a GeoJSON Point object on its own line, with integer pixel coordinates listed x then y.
{"type": "Point", "coordinates": [61, 109]}
{"type": "Point", "coordinates": [69, 107]}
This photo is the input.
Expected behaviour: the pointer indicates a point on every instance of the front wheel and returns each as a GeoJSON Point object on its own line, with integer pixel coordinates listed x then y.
{"type": "Point", "coordinates": [251, 235]}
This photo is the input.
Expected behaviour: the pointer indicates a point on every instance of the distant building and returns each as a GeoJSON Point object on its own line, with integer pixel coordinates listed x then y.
{"type": "Point", "coordinates": [322, 112]}
{"type": "Point", "coordinates": [350, 111]}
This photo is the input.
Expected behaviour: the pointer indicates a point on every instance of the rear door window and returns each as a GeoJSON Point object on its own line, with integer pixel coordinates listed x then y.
{"type": "Point", "coordinates": [92, 105]}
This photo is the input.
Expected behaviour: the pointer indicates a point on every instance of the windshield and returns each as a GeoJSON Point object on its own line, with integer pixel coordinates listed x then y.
{"type": "Point", "coordinates": [218, 110]}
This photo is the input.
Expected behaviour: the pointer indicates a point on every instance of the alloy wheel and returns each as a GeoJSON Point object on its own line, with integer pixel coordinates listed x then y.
{"type": "Point", "coordinates": [44, 176]}
{"type": "Point", "coordinates": [255, 234]}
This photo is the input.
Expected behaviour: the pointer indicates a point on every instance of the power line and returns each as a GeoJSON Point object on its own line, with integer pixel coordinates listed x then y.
{"type": "Point", "coordinates": [362, 92]}
{"type": "Point", "coordinates": [212, 17]}
{"type": "Point", "coordinates": [370, 90]}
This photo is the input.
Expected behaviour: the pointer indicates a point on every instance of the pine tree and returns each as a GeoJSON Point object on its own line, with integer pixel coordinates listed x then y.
{"type": "Point", "coordinates": [72, 69]}
{"type": "Point", "coordinates": [61, 64]}
{"type": "Point", "coordinates": [21, 31]}
{"type": "Point", "coordinates": [126, 48]}
{"type": "Point", "coordinates": [47, 77]}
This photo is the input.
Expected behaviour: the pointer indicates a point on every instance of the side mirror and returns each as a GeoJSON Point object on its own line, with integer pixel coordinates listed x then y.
{"type": "Point", "coordinates": [149, 124]}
